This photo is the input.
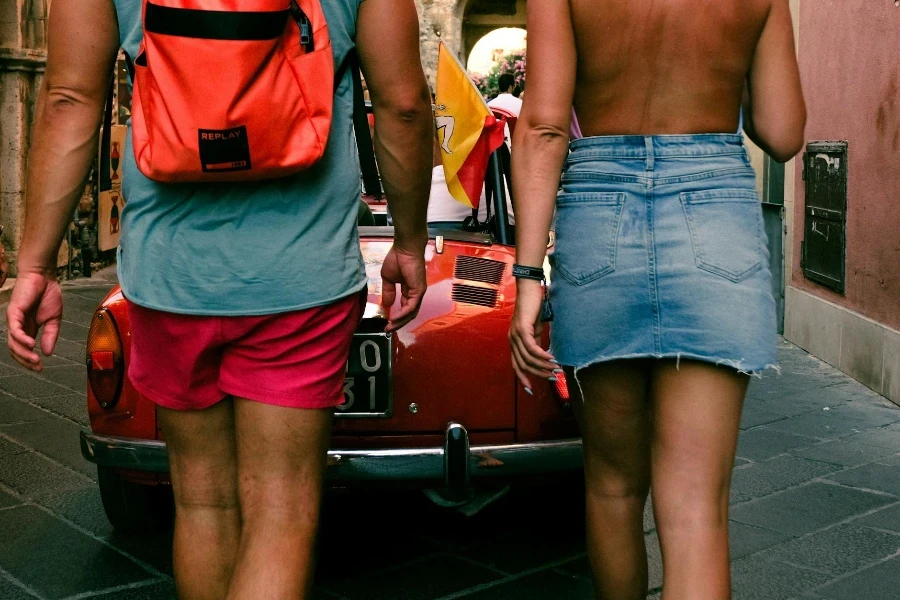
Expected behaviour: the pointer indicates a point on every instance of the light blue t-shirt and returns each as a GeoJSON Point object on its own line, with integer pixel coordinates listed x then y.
{"type": "Point", "coordinates": [247, 248]}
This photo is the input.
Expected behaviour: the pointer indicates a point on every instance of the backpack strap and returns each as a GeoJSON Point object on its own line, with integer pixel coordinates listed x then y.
{"type": "Point", "coordinates": [364, 145]}
{"type": "Point", "coordinates": [104, 183]}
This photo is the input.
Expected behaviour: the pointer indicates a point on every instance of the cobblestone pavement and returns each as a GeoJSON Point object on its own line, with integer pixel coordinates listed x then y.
{"type": "Point", "coordinates": [816, 505]}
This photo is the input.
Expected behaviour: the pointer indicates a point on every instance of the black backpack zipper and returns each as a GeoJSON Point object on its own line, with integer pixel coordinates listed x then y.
{"type": "Point", "coordinates": [305, 26]}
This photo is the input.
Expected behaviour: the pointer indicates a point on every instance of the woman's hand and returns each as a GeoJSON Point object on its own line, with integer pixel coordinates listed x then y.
{"type": "Point", "coordinates": [528, 358]}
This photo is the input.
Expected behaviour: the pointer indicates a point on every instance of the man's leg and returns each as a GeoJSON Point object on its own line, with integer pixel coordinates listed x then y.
{"type": "Point", "coordinates": [281, 460]}
{"type": "Point", "coordinates": [696, 416]}
{"type": "Point", "coordinates": [615, 427]}
{"type": "Point", "coordinates": [204, 479]}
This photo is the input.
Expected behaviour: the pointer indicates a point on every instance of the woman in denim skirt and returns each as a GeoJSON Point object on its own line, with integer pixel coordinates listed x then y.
{"type": "Point", "coordinates": [661, 286]}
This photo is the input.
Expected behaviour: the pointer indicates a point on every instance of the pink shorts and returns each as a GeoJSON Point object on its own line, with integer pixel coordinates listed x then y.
{"type": "Point", "coordinates": [296, 359]}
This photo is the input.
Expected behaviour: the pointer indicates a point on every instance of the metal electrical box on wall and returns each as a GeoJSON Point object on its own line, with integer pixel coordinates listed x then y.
{"type": "Point", "coordinates": [823, 250]}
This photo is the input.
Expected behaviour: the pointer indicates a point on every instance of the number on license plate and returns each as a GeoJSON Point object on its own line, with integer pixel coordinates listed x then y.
{"type": "Point", "coordinates": [367, 386]}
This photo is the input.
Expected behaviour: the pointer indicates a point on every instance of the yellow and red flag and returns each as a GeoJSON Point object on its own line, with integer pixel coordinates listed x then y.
{"type": "Point", "coordinates": [467, 130]}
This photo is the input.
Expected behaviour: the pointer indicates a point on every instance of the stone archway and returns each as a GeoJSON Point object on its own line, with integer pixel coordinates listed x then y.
{"type": "Point", "coordinates": [480, 17]}
{"type": "Point", "coordinates": [461, 23]}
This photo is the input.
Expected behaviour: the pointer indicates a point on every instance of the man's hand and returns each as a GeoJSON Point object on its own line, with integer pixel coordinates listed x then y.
{"type": "Point", "coordinates": [408, 270]}
{"type": "Point", "coordinates": [36, 302]}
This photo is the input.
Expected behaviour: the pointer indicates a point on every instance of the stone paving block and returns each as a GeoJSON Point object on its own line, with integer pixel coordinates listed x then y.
{"type": "Point", "coordinates": [518, 552]}
{"type": "Point", "coordinates": [78, 302]}
{"type": "Point", "coordinates": [537, 586]}
{"type": "Point", "coordinates": [72, 406]}
{"type": "Point", "coordinates": [9, 370]}
{"type": "Point", "coordinates": [753, 416]}
{"type": "Point", "coordinates": [10, 591]}
{"type": "Point", "coordinates": [649, 519]}
{"type": "Point", "coordinates": [73, 377]}
{"type": "Point", "coordinates": [73, 351]}
{"type": "Point", "coordinates": [745, 540]}
{"type": "Point", "coordinates": [838, 550]}
{"type": "Point", "coordinates": [28, 387]}
{"type": "Point", "coordinates": [84, 508]}
{"type": "Point", "coordinates": [163, 590]}
{"type": "Point", "coordinates": [48, 361]}
{"type": "Point", "coordinates": [7, 500]}
{"type": "Point", "coordinates": [13, 410]}
{"type": "Point", "coordinates": [808, 508]}
{"type": "Point", "coordinates": [757, 578]}
{"type": "Point", "coordinates": [869, 414]}
{"type": "Point", "coordinates": [431, 578]}
{"type": "Point", "coordinates": [8, 447]}
{"type": "Point", "coordinates": [883, 437]}
{"type": "Point", "coordinates": [77, 316]}
{"type": "Point", "coordinates": [72, 331]}
{"type": "Point", "coordinates": [873, 476]}
{"type": "Point", "coordinates": [887, 518]}
{"type": "Point", "coordinates": [764, 478]}
{"type": "Point", "coordinates": [30, 474]}
{"type": "Point", "coordinates": [93, 293]}
{"type": "Point", "coordinates": [878, 582]}
{"type": "Point", "coordinates": [56, 560]}
{"type": "Point", "coordinates": [822, 424]}
{"type": "Point", "coordinates": [379, 540]}
{"type": "Point", "coordinates": [581, 566]}
{"type": "Point", "coordinates": [843, 452]}
{"type": "Point", "coordinates": [53, 437]}
{"type": "Point", "coordinates": [763, 443]}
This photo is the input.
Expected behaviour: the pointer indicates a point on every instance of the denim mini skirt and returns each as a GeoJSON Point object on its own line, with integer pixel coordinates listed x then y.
{"type": "Point", "coordinates": [661, 253]}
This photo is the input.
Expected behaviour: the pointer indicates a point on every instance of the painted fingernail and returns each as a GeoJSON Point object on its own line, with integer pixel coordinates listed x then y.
{"type": "Point", "coordinates": [554, 361]}
{"type": "Point", "coordinates": [552, 379]}
{"type": "Point", "coordinates": [558, 371]}
{"type": "Point", "coordinates": [529, 392]}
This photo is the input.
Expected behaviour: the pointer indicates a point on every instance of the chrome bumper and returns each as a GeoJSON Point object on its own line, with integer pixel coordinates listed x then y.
{"type": "Point", "coordinates": [454, 465]}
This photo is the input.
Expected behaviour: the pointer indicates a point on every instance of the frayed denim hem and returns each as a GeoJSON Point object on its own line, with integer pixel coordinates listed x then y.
{"type": "Point", "coordinates": [738, 365]}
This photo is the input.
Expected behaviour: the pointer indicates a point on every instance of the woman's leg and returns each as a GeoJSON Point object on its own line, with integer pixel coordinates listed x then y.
{"type": "Point", "coordinates": [696, 415]}
{"type": "Point", "coordinates": [615, 425]}
{"type": "Point", "coordinates": [281, 463]}
{"type": "Point", "coordinates": [204, 480]}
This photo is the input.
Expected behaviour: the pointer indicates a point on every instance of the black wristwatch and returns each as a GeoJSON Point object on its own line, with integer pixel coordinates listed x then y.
{"type": "Point", "coordinates": [525, 272]}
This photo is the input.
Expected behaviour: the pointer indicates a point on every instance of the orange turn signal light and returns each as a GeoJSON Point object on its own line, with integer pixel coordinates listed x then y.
{"type": "Point", "coordinates": [104, 359]}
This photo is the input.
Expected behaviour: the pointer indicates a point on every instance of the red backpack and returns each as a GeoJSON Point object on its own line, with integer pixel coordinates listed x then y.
{"type": "Point", "coordinates": [231, 90]}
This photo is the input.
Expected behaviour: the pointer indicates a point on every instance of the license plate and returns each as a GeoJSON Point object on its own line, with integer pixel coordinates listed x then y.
{"type": "Point", "coordinates": [368, 389]}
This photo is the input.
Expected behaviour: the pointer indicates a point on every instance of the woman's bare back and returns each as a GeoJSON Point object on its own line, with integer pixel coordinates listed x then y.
{"type": "Point", "coordinates": [663, 66]}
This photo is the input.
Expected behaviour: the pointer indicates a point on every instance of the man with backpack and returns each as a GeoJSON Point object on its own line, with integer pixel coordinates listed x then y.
{"type": "Point", "coordinates": [239, 251]}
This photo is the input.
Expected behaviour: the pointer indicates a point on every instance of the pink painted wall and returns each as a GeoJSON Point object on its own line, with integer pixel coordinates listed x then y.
{"type": "Point", "coordinates": [850, 65]}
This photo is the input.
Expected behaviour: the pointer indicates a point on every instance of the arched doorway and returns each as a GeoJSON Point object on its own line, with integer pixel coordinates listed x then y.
{"type": "Point", "coordinates": [481, 17]}
{"type": "Point", "coordinates": [488, 50]}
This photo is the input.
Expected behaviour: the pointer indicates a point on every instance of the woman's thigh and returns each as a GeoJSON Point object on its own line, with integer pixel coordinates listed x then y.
{"type": "Point", "coordinates": [696, 417]}
{"type": "Point", "coordinates": [615, 422]}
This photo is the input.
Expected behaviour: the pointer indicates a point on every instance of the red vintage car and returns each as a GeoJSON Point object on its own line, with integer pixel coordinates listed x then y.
{"type": "Point", "coordinates": [435, 405]}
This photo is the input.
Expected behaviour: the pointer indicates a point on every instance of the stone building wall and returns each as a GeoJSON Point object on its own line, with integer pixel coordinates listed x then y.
{"type": "Point", "coordinates": [22, 59]}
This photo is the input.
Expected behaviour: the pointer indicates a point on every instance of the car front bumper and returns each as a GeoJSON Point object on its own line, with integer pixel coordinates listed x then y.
{"type": "Point", "coordinates": [454, 465]}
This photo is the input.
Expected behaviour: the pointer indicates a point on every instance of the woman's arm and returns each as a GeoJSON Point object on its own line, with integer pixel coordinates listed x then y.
{"type": "Point", "coordinates": [540, 146]}
{"type": "Point", "coordinates": [774, 110]}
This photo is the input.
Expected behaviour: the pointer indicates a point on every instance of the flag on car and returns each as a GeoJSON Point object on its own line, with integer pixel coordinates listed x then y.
{"type": "Point", "coordinates": [466, 128]}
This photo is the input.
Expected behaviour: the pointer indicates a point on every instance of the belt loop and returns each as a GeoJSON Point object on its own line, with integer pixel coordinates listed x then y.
{"type": "Point", "coordinates": [648, 144]}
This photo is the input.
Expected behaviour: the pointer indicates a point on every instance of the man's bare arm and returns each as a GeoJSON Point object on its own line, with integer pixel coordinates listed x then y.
{"type": "Point", "coordinates": [388, 43]}
{"type": "Point", "coordinates": [83, 40]}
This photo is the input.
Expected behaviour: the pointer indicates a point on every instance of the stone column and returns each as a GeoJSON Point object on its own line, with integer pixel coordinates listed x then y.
{"type": "Point", "coordinates": [22, 59]}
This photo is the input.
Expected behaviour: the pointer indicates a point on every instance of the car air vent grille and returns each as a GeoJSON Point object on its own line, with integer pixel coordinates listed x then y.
{"type": "Point", "coordinates": [479, 269]}
{"type": "Point", "coordinates": [470, 294]}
